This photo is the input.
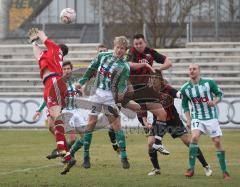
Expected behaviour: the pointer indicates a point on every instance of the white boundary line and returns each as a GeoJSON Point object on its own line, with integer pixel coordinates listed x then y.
{"type": "Point", "coordinates": [29, 169]}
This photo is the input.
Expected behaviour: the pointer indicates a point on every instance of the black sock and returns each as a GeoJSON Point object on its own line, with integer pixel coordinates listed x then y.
{"type": "Point", "coordinates": [159, 130]}
{"type": "Point", "coordinates": [158, 140]}
{"type": "Point", "coordinates": [201, 158]}
{"type": "Point", "coordinates": [153, 157]}
{"type": "Point", "coordinates": [112, 137]}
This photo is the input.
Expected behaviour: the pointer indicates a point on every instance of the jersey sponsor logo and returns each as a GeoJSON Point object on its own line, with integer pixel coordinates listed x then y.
{"type": "Point", "coordinates": [103, 71]}
{"type": "Point", "coordinates": [197, 100]}
{"type": "Point", "coordinates": [227, 110]}
{"type": "Point", "coordinates": [143, 61]}
{"type": "Point", "coordinates": [148, 56]}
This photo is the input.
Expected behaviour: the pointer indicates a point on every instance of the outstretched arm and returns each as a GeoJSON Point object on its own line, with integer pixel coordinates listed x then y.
{"type": "Point", "coordinates": [136, 66]}
{"type": "Point", "coordinates": [33, 39]}
{"type": "Point", "coordinates": [166, 65]}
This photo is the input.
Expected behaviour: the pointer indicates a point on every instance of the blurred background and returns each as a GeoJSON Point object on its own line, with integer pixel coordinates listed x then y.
{"type": "Point", "coordinates": [165, 23]}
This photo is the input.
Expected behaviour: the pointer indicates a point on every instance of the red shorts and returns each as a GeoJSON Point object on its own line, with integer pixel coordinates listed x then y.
{"type": "Point", "coordinates": [55, 91]}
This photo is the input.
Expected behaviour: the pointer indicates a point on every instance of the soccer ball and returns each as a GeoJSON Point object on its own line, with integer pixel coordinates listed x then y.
{"type": "Point", "coordinates": [67, 15]}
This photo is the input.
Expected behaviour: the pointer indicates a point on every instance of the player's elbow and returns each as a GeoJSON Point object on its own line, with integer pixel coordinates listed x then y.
{"type": "Point", "coordinates": [169, 62]}
{"type": "Point", "coordinates": [185, 109]}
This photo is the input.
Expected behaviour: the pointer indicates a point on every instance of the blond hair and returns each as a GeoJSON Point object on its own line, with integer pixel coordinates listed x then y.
{"type": "Point", "coordinates": [121, 40]}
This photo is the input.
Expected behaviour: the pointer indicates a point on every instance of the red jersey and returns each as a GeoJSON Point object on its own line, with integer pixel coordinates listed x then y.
{"type": "Point", "coordinates": [51, 58]}
{"type": "Point", "coordinates": [141, 75]}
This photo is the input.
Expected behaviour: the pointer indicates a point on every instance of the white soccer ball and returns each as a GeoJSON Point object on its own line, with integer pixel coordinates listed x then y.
{"type": "Point", "coordinates": [67, 15]}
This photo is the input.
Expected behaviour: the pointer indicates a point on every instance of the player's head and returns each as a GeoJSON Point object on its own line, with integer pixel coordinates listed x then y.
{"type": "Point", "coordinates": [194, 71]}
{"type": "Point", "coordinates": [101, 48]}
{"type": "Point", "coordinates": [139, 42]}
{"type": "Point", "coordinates": [64, 49]}
{"type": "Point", "coordinates": [67, 68]}
{"type": "Point", "coordinates": [121, 44]}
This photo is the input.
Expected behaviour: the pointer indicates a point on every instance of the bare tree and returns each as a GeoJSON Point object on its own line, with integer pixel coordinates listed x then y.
{"type": "Point", "coordinates": [165, 19]}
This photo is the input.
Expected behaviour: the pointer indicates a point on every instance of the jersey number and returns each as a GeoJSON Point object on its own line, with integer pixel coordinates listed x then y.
{"type": "Point", "coordinates": [195, 124]}
{"type": "Point", "coordinates": [94, 109]}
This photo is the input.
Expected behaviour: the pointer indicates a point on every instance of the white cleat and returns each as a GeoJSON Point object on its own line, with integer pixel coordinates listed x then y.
{"type": "Point", "coordinates": [161, 149]}
{"type": "Point", "coordinates": [208, 171]}
{"type": "Point", "coordinates": [154, 172]}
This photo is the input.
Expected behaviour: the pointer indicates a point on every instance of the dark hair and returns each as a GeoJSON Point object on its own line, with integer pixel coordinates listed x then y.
{"type": "Point", "coordinates": [138, 36]}
{"type": "Point", "coordinates": [64, 49]}
{"type": "Point", "coordinates": [101, 46]}
{"type": "Point", "coordinates": [68, 63]}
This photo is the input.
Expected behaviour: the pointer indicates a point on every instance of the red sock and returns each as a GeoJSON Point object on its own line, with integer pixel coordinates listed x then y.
{"type": "Point", "coordinates": [67, 157]}
{"type": "Point", "coordinates": [59, 135]}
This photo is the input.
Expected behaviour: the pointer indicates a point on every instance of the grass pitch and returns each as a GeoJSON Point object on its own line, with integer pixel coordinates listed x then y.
{"type": "Point", "coordinates": [23, 162]}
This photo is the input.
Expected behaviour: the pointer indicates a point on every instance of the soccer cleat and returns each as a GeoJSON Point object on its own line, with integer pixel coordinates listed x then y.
{"type": "Point", "coordinates": [161, 149]}
{"type": "Point", "coordinates": [208, 171]}
{"type": "Point", "coordinates": [226, 176]}
{"type": "Point", "coordinates": [189, 173]}
{"type": "Point", "coordinates": [125, 163]}
{"type": "Point", "coordinates": [69, 165]}
{"type": "Point", "coordinates": [86, 162]}
{"type": "Point", "coordinates": [154, 172]}
{"type": "Point", "coordinates": [55, 154]}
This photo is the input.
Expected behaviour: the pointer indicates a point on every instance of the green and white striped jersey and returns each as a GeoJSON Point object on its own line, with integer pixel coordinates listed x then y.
{"type": "Point", "coordinates": [71, 94]}
{"type": "Point", "coordinates": [105, 66]}
{"type": "Point", "coordinates": [199, 95]}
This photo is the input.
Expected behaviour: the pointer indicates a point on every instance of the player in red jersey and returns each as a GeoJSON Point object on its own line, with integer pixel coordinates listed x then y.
{"type": "Point", "coordinates": [55, 90]}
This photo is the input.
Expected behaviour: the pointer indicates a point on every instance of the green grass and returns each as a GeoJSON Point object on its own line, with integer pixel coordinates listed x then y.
{"type": "Point", "coordinates": [23, 162]}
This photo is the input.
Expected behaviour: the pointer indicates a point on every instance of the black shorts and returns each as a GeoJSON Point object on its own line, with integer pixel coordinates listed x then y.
{"type": "Point", "coordinates": [174, 127]}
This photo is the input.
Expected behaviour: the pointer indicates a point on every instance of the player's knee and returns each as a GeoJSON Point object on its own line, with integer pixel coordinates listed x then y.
{"type": "Point", "coordinates": [151, 141]}
{"type": "Point", "coordinates": [217, 143]}
{"type": "Point", "coordinates": [194, 139]}
{"type": "Point", "coordinates": [92, 121]}
{"type": "Point", "coordinates": [59, 129]}
{"type": "Point", "coordinates": [161, 115]}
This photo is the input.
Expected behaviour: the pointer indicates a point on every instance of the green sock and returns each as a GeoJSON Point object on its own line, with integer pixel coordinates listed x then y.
{"type": "Point", "coordinates": [222, 161]}
{"type": "Point", "coordinates": [87, 142]}
{"type": "Point", "coordinates": [193, 150]}
{"type": "Point", "coordinates": [120, 137]}
{"type": "Point", "coordinates": [76, 146]}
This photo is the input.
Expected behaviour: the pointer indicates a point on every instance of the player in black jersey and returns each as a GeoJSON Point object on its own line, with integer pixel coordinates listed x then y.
{"type": "Point", "coordinates": [141, 60]}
